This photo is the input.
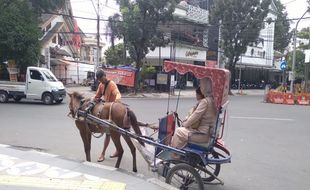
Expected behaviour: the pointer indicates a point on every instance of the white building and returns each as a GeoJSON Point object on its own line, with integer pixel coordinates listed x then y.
{"type": "Point", "coordinates": [258, 62]}
{"type": "Point", "coordinates": [61, 47]}
{"type": "Point", "coordinates": [188, 35]}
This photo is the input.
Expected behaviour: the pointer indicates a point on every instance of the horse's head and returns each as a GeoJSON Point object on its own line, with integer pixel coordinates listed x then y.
{"type": "Point", "coordinates": [75, 103]}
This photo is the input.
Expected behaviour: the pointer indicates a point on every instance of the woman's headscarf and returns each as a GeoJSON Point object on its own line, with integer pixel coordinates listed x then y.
{"type": "Point", "coordinates": [206, 87]}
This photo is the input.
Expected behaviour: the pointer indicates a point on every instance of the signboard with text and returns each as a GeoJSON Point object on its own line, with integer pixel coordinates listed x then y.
{"type": "Point", "coordinates": [120, 76]}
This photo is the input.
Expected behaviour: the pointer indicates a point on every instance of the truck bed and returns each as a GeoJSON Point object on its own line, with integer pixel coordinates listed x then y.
{"type": "Point", "coordinates": [12, 86]}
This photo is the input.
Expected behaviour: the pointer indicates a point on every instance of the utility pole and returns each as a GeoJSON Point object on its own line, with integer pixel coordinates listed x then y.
{"type": "Point", "coordinates": [98, 37]}
{"type": "Point", "coordinates": [294, 53]}
{"type": "Point", "coordinates": [219, 64]}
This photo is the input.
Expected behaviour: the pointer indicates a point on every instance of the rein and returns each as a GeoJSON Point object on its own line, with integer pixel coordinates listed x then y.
{"type": "Point", "coordinates": [76, 117]}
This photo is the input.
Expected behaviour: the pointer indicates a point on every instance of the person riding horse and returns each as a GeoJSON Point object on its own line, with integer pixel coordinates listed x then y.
{"type": "Point", "coordinates": [108, 92]}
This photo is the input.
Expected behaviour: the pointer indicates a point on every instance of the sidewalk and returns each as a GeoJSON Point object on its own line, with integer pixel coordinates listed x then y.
{"type": "Point", "coordinates": [188, 93]}
{"type": "Point", "coordinates": [28, 169]}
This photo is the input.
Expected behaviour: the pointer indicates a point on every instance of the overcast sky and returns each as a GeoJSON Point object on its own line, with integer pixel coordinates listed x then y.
{"type": "Point", "coordinates": [85, 8]}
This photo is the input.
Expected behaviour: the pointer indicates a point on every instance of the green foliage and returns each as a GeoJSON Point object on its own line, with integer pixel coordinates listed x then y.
{"type": "Point", "coordinates": [139, 25]}
{"type": "Point", "coordinates": [299, 63]}
{"type": "Point", "coordinates": [19, 33]}
{"type": "Point", "coordinates": [147, 71]}
{"type": "Point", "coordinates": [304, 33]}
{"type": "Point", "coordinates": [282, 36]}
{"type": "Point", "coordinates": [40, 6]}
{"type": "Point", "coordinates": [241, 24]}
{"type": "Point", "coordinates": [115, 56]}
{"type": "Point", "coordinates": [115, 28]}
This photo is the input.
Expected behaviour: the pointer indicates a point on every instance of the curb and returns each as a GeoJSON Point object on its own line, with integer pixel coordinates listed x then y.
{"type": "Point", "coordinates": [83, 173]}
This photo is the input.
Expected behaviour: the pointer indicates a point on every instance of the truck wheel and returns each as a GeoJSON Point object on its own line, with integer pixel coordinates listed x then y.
{"type": "Point", "coordinates": [47, 98]}
{"type": "Point", "coordinates": [3, 97]}
{"type": "Point", "coordinates": [17, 98]}
{"type": "Point", "coordinates": [58, 101]}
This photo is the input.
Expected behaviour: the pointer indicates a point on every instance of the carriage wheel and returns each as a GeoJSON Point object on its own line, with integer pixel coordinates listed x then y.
{"type": "Point", "coordinates": [185, 177]}
{"type": "Point", "coordinates": [212, 168]}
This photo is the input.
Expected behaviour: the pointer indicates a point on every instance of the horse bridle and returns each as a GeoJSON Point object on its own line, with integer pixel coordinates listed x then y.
{"type": "Point", "coordinates": [74, 112]}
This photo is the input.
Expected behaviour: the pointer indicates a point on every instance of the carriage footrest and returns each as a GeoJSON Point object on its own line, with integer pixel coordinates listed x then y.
{"type": "Point", "coordinates": [164, 155]}
{"type": "Point", "coordinates": [204, 147]}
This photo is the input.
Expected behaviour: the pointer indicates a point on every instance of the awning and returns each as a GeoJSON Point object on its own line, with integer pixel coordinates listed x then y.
{"type": "Point", "coordinates": [55, 62]}
{"type": "Point", "coordinates": [59, 51]}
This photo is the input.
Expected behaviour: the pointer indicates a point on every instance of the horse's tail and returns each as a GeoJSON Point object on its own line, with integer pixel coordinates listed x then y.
{"type": "Point", "coordinates": [134, 123]}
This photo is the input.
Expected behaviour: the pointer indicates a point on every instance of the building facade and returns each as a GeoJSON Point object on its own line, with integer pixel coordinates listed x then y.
{"type": "Point", "coordinates": [66, 50]}
{"type": "Point", "coordinates": [258, 63]}
{"type": "Point", "coordinates": [188, 35]}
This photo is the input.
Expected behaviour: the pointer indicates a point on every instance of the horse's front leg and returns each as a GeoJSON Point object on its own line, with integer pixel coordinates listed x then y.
{"type": "Point", "coordinates": [133, 152]}
{"type": "Point", "coordinates": [86, 138]}
{"type": "Point", "coordinates": [117, 142]}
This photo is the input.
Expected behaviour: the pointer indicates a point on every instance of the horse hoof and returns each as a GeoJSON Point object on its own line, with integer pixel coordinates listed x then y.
{"type": "Point", "coordinates": [135, 170]}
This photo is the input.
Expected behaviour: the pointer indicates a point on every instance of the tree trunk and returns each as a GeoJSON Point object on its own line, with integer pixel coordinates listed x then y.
{"type": "Point", "coordinates": [137, 73]}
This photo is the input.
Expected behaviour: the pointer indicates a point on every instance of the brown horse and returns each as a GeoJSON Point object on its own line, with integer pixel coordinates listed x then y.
{"type": "Point", "coordinates": [116, 112]}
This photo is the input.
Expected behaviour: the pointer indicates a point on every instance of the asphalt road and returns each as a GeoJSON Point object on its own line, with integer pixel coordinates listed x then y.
{"type": "Point", "coordinates": [268, 142]}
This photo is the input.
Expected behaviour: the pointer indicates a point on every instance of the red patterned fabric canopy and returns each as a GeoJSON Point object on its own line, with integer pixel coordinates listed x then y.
{"type": "Point", "coordinates": [220, 78]}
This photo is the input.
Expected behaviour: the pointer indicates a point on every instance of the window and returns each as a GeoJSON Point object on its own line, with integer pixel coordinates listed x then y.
{"type": "Point", "coordinates": [49, 76]}
{"type": "Point", "coordinates": [252, 52]}
{"type": "Point", "coordinates": [54, 40]}
{"type": "Point", "coordinates": [36, 75]}
{"type": "Point", "coordinates": [60, 41]}
{"type": "Point", "coordinates": [48, 27]}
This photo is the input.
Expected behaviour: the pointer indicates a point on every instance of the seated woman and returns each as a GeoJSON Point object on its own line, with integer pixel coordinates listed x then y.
{"type": "Point", "coordinates": [200, 120]}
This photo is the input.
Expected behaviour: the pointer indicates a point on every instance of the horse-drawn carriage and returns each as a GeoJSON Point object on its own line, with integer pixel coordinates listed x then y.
{"type": "Point", "coordinates": [199, 163]}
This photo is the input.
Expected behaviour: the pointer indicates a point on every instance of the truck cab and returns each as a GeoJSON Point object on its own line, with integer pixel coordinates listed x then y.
{"type": "Point", "coordinates": [41, 84]}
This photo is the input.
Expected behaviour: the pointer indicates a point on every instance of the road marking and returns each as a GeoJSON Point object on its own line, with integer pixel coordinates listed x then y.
{"type": "Point", "coordinates": [37, 182]}
{"type": "Point", "coordinates": [262, 118]}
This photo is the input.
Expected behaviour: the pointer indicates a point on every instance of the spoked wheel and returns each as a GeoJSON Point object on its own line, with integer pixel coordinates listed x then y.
{"type": "Point", "coordinates": [185, 177]}
{"type": "Point", "coordinates": [211, 168]}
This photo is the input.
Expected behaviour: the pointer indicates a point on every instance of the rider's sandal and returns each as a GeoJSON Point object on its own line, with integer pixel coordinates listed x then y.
{"type": "Point", "coordinates": [100, 159]}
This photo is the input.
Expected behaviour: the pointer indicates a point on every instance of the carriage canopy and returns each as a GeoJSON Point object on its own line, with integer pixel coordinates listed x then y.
{"type": "Point", "coordinates": [220, 78]}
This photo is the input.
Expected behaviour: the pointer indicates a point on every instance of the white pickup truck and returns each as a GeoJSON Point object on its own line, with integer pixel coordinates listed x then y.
{"type": "Point", "coordinates": [41, 84]}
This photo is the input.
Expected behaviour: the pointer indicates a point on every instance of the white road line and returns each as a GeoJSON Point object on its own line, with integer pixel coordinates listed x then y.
{"type": "Point", "coordinates": [262, 118]}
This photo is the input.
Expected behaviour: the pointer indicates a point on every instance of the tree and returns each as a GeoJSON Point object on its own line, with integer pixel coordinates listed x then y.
{"type": "Point", "coordinates": [282, 36]}
{"type": "Point", "coordinates": [114, 27]}
{"type": "Point", "coordinates": [304, 33]}
{"type": "Point", "coordinates": [40, 6]}
{"type": "Point", "coordinates": [19, 32]}
{"type": "Point", "coordinates": [114, 56]}
{"type": "Point", "coordinates": [300, 60]}
{"type": "Point", "coordinates": [241, 24]}
{"type": "Point", "coordinates": [139, 26]}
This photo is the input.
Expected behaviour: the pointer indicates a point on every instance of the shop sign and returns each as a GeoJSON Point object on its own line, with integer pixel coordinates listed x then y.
{"type": "Point", "coordinates": [191, 53]}
{"type": "Point", "coordinates": [121, 77]}
{"type": "Point", "coordinates": [162, 78]}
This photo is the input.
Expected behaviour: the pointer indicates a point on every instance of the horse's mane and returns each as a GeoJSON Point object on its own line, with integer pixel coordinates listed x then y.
{"type": "Point", "coordinates": [80, 96]}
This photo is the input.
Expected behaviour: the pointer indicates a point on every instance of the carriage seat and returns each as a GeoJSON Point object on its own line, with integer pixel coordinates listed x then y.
{"type": "Point", "coordinates": [215, 133]}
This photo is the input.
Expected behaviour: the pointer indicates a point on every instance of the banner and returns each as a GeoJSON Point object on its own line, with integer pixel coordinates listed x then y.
{"type": "Point", "coordinates": [120, 76]}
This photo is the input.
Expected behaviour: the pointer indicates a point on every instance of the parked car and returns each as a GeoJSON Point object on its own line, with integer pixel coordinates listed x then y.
{"type": "Point", "coordinates": [41, 84]}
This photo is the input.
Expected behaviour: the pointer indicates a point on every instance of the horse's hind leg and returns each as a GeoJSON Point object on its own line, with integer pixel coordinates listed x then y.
{"type": "Point", "coordinates": [133, 152]}
{"type": "Point", "coordinates": [117, 142]}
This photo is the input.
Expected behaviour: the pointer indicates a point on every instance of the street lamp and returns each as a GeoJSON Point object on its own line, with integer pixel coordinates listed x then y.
{"type": "Point", "coordinates": [294, 52]}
